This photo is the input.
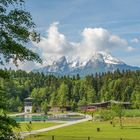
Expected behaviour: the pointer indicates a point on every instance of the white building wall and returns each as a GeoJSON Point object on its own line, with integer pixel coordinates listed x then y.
{"type": "Point", "coordinates": [28, 109]}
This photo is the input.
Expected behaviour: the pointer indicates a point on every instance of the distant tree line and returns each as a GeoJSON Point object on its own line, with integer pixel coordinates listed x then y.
{"type": "Point", "coordinates": [49, 90]}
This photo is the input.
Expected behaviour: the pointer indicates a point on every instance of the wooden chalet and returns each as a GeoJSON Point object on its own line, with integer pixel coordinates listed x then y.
{"type": "Point", "coordinates": [93, 107]}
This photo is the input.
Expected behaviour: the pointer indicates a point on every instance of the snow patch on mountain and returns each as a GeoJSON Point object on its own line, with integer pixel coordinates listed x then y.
{"type": "Point", "coordinates": [109, 59]}
{"type": "Point", "coordinates": [97, 62]}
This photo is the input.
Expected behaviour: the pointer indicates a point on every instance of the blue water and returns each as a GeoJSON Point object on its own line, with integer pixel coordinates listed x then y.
{"type": "Point", "coordinates": [24, 118]}
{"type": "Point", "coordinates": [28, 118]}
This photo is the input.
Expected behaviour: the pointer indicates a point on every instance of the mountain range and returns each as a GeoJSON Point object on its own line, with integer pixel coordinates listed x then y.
{"type": "Point", "coordinates": [98, 62]}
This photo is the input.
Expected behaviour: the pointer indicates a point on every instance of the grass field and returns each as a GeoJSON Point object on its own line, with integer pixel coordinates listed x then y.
{"type": "Point", "coordinates": [131, 130]}
{"type": "Point", "coordinates": [11, 113]}
{"type": "Point", "coordinates": [132, 112]}
{"type": "Point", "coordinates": [35, 126]}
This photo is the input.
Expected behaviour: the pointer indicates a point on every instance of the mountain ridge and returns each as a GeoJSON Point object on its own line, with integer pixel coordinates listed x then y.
{"type": "Point", "coordinates": [98, 62]}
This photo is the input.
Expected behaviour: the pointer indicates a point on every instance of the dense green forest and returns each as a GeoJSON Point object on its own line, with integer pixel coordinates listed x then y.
{"type": "Point", "coordinates": [49, 90]}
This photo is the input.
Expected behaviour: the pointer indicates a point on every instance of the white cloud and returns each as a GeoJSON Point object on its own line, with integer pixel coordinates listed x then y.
{"type": "Point", "coordinates": [130, 49]}
{"type": "Point", "coordinates": [55, 44]}
{"type": "Point", "coordinates": [99, 39]}
{"type": "Point", "coordinates": [134, 40]}
{"type": "Point", "coordinates": [29, 65]}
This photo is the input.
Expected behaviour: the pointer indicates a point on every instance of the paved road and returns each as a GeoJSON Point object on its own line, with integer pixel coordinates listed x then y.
{"type": "Point", "coordinates": [23, 134]}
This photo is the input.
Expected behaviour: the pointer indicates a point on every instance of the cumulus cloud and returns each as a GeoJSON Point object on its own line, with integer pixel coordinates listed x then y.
{"type": "Point", "coordinates": [134, 40]}
{"type": "Point", "coordinates": [130, 49]}
{"type": "Point", "coordinates": [55, 44]}
{"type": "Point", "coordinates": [99, 39]}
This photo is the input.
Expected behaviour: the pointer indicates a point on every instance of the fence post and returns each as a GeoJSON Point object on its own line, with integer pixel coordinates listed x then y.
{"type": "Point", "coordinates": [88, 138]}
{"type": "Point", "coordinates": [52, 137]}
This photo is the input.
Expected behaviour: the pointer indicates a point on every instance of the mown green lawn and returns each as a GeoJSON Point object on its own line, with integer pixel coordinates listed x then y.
{"type": "Point", "coordinates": [35, 126]}
{"type": "Point", "coordinates": [131, 130]}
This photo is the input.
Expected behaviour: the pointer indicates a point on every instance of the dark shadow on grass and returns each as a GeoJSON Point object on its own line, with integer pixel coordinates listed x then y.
{"type": "Point", "coordinates": [131, 127]}
{"type": "Point", "coordinates": [39, 136]}
{"type": "Point", "coordinates": [135, 128]}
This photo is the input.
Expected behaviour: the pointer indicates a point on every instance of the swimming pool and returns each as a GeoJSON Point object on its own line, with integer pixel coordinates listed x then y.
{"type": "Point", "coordinates": [28, 118]}
{"type": "Point", "coordinates": [58, 117]}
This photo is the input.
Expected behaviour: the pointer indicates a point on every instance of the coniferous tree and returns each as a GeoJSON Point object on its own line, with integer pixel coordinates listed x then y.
{"type": "Point", "coordinates": [62, 95]}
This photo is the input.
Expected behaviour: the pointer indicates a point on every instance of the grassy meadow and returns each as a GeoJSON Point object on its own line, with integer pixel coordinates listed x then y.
{"type": "Point", "coordinates": [132, 112]}
{"type": "Point", "coordinates": [130, 131]}
{"type": "Point", "coordinates": [35, 126]}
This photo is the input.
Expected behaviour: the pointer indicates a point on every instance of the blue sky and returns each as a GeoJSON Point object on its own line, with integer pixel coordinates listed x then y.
{"type": "Point", "coordinates": [119, 17]}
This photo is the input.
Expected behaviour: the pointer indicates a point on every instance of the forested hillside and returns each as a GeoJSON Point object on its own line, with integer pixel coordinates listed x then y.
{"type": "Point", "coordinates": [48, 90]}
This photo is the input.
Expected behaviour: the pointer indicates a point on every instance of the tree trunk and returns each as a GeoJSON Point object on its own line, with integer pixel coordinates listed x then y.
{"type": "Point", "coordinates": [121, 122]}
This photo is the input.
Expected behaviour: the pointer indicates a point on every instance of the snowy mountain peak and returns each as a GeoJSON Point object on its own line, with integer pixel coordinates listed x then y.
{"type": "Point", "coordinates": [97, 57]}
{"type": "Point", "coordinates": [61, 61]}
{"type": "Point", "coordinates": [98, 62]}
{"type": "Point", "coordinates": [109, 59]}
